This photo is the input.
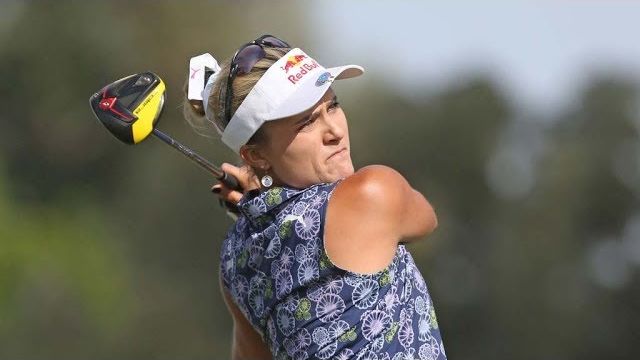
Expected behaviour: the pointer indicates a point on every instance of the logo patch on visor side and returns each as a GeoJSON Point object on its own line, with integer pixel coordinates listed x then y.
{"type": "Point", "coordinates": [324, 78]}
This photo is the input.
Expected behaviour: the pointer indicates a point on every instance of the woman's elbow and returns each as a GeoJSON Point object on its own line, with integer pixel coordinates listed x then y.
{"type": "Point", "coordinates": [429, 220]}
{"type": "Point", "coordinates": [421, 221]}
{"type": "Point", "coordinates": [432, 220]}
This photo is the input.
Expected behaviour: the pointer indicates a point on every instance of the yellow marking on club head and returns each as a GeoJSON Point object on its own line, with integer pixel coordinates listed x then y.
{"type": "Point", "coordinates": [147, 113]}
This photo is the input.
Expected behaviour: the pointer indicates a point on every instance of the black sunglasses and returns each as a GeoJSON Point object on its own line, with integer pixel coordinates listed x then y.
{"type": "Point", "coordinates": [243, 61]}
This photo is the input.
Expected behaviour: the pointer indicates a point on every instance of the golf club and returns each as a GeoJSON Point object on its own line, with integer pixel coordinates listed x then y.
{"type": "Point", "coordinates": [130, 108]}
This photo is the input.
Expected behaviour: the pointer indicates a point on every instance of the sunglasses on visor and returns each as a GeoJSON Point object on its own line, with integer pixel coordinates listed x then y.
{"type": "Point", "coordinates": [243, 61]}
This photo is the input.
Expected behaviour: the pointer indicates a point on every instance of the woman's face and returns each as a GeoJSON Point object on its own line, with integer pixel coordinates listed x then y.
{"type": "Point", "coordinates": [309, 148]}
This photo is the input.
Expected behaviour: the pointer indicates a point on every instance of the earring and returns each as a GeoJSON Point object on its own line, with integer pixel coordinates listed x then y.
{"type": "Point", "coordinates": [266, 181]}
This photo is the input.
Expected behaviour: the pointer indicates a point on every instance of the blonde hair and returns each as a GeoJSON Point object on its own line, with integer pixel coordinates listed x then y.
{"type": "Point", "coordinates": [242, 84]}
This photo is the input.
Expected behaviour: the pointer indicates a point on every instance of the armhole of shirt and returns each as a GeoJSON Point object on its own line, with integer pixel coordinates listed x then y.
{"type": "Point", "coordinates": [323, 215]}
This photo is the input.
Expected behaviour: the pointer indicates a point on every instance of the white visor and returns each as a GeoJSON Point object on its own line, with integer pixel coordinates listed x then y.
{"type": "Point", "coordinates": [291, 86]}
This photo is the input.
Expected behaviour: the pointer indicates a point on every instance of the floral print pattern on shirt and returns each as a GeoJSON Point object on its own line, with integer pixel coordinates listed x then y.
{"type": "Point", "coordinates": [274, 266]}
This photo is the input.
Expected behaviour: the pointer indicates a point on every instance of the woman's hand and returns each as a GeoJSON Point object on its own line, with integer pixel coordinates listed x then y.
{"type": "Point", "coordinates": [246, 179]}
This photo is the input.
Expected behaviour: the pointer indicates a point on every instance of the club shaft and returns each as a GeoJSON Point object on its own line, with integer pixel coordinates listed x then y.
{"type": "Point", "coordinates": [225, 178]}
{"type": "Point", "coordinates": [204, 163]}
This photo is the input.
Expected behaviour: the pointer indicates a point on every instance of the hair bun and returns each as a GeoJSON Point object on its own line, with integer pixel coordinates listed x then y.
{"type": "Point", "coordinates": [197, 106]}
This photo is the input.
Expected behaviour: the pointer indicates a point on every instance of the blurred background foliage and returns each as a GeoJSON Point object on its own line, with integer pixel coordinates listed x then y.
{"type": "Point", "coordinates": [107, 251]}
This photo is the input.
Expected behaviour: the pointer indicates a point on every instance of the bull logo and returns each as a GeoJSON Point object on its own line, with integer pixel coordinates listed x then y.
{"type": "Point", "coordinates": [292, 62]}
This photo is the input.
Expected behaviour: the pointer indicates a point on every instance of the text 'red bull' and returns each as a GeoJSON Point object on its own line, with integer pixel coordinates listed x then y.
{"type": "Point", "coordinates": [304, 70]}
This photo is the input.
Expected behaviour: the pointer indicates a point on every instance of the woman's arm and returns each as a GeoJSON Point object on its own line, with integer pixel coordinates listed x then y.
{"type": "Point", "coordinates": [369, 213]}
{"type": "Point", "coordinates": [247, 343]}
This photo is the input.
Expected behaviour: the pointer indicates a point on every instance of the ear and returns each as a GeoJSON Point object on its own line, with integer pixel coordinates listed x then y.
{"type": "Point", "coordinates": [254, 158]}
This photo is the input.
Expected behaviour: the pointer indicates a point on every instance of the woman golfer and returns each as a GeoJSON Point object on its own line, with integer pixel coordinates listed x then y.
{"type": "Point", "coordinates": [315, 266]}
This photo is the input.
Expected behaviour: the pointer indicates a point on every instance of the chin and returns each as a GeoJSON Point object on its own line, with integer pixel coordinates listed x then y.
{"type": "Point", "coordinates": [337, 171]}
{"type": "Point", "coordinates": [344, 171]}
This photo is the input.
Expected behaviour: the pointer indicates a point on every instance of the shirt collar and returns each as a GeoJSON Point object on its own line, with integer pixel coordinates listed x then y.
{"type": "Point", "coordinates": [257, 205]}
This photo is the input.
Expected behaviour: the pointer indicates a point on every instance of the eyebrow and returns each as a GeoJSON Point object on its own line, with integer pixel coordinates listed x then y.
{"type": "Point", "coordinates": [308, 117]}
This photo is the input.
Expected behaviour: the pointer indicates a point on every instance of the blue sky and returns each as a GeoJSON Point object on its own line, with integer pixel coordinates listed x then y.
{"type": "Point", "coordinates": [540, 53]}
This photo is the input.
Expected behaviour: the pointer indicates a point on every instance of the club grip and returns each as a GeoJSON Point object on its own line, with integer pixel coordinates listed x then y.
{"type": "Point", "coordinates": [230, 181]}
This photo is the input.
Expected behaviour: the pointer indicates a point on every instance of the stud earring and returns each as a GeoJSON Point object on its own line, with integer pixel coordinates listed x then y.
{"type": "Point", "coordinates": [266, 181]}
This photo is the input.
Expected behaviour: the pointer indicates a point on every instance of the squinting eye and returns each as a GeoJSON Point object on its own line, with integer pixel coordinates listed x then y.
{"type": "Point", "coordinates": [334, 105]}
{"type": "Point", "coordinates": [307, 123]}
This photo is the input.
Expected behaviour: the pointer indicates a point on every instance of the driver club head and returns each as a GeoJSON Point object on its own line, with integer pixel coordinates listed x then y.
{"type": "Point", "coordinates": [130, 107]}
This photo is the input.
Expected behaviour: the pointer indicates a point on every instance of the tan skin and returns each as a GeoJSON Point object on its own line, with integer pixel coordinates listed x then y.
{"type": "Point", "coordinates": [370, 212]}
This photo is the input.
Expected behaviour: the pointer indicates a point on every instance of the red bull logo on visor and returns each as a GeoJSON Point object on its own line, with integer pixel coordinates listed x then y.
{"type": "Point", "coordinates": [304, 70]}
{"type": "Point", "coordinates": [292, 61]}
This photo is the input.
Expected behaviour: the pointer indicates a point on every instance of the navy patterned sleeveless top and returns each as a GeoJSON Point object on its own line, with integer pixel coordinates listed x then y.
{"type": "Point", "coordinates": [274, 266]}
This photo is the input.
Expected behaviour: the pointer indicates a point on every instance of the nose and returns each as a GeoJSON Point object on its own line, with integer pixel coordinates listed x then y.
{"type": "Point", "coordinates": [335, 128]}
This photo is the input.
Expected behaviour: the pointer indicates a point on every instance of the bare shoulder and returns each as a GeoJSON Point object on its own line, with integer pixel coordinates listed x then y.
{"type": "Point", "coordinates": [361, 230]}
{"type": "Point", "coordinates": [377, 202]}
{"type": "Point", "coordinates": [373, 188]}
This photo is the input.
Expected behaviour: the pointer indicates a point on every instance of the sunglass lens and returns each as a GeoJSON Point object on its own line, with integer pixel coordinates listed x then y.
{"type": "Point", "coordinates": [248, 57]}
{"type": "Point", "coordinates": [273, 41]}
